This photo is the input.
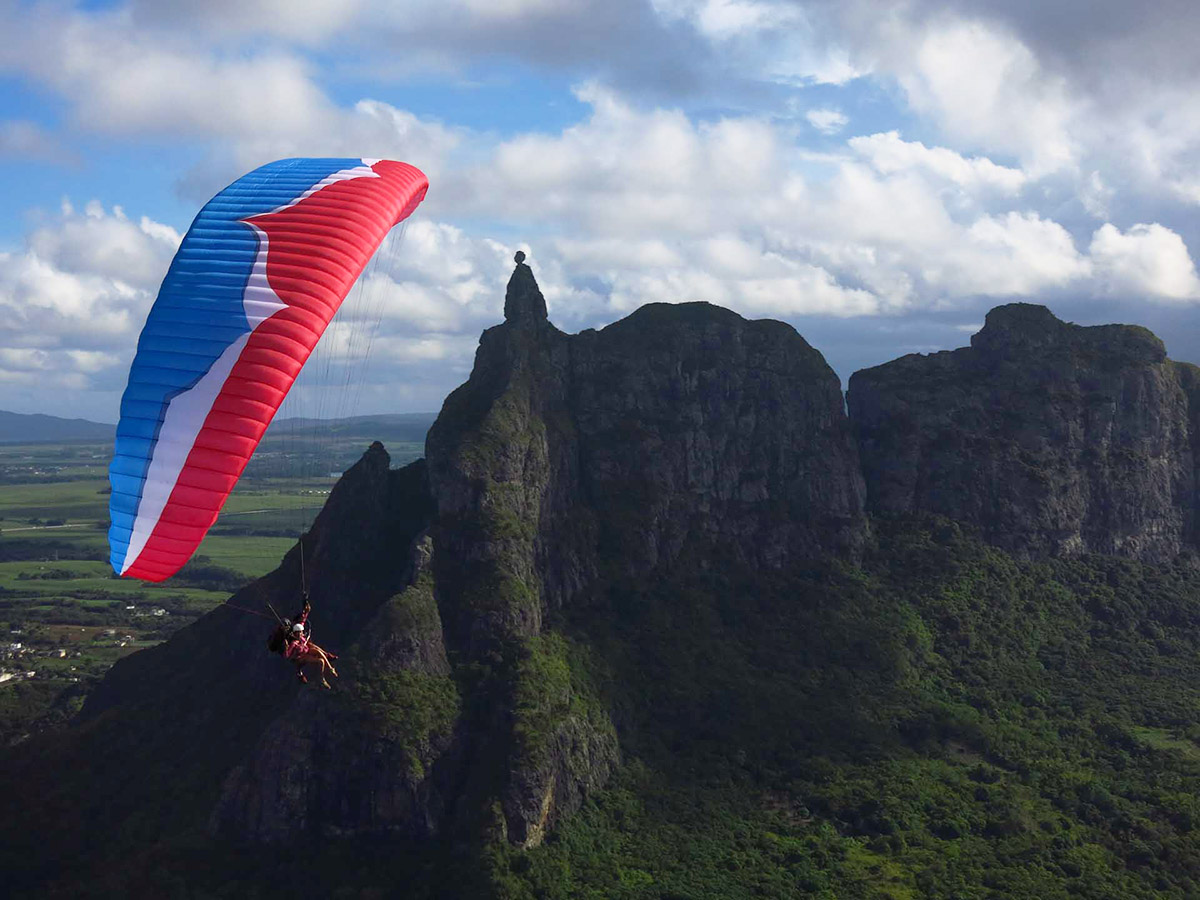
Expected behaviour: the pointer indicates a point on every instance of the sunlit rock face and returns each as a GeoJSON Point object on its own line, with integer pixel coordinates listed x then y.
{"type": "Point", "coordinates": [1051, 438]}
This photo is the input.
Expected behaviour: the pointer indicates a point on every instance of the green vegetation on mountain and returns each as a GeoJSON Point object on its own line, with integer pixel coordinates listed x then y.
{"type": "Point", "coordinates": [943, 722]}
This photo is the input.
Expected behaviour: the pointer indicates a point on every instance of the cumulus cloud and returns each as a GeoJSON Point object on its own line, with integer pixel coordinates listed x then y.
{"type": "Point", "coordinates": [1017, 254]}
{"type": "Point", "coordinates": [1102, 100]}
{"type": "Point", "coordinates": [125, 80]}
{"type": "Point", "coordinates": [218, 50]}
{"type": "Point", "coordinates": [888, 154]}
{"type": "Point", "coordinates": [1146, 259]}
{"type": "Point", "coordinates": [371, 129]}
{"type": "Point", "coordinates": [71, 302]}
{"type": "Point", "coordinates": [106, 244]}
{"type": "Point", "coordinates": [773, 39]}
{"type": "Point", "coordinates": [1105, 93]}
{"type": "Point", "coordinates": [1060, 93]}
{"type": "Point", "coordinates": [657, 206]}
{"type": "Point", "coordinates": [826, 121]}
{"type": "Point", "coordinates": [988, 89]}
{"type": "Point", "coordinates": [1093, 40]}
{"type": "Point", "coordinates": [262, 103]}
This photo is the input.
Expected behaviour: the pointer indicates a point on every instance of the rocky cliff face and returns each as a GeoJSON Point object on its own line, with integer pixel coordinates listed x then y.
{"type": "Point", "coordinates": [1051, 438]}
{"type": "Point", "coordinates": [695, 425]}
{"type": "Point", "coordinates": [679, 423]}
{"type": "Point", "coordinates": [563, 454]}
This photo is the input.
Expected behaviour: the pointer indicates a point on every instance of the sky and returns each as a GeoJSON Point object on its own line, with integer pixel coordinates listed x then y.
{"type": "Point", "coordinates": [877, 175]}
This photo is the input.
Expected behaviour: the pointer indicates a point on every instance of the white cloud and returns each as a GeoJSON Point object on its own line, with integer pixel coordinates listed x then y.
{"type": "Point", "coordinates": [1106, 102]}
{"type": "Point", "coordinates": [123, 80]}
{"type": "Point", "coordinates": [262, 104]}
{"type": "Point", "coordinates": [827, 121]}
{"type": "Point", "coordinates": [889, 154]}
{"type": "Point", "coordinates": [986, 88]}
{"type": "Point", "coordinates": [1095, 195]}
{"type": "Point", "coordinates": [659, 207]}
{"type": "Point", "coordinates": [994, 79]}
{"type": "Point", "coordinates": [632, 174]}
{"type": "Point", "coordinates": [71, 303]}
{"type": "Point", "coordinates": [370, 129]}
{"type": "Point", "coordinates": [1018, 254]}
{"type": "Point", "coordinates": [775, 39]}
{"type": "Point", "coordinates": [1147, 259]}
{"type": "Point", "coordinates": [607, 254]}
{"type": "Point", "coordinates": [107, 245]}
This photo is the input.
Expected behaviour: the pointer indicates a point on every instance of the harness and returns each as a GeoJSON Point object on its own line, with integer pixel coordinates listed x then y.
{"type": "Point", "coordinates": [296, 648]}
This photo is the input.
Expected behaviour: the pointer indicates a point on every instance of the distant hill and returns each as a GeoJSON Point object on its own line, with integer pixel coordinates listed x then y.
{"type": "Point", "coordinates": [388, 428]}
{"type": "Point", "coordinates": [21, 428]}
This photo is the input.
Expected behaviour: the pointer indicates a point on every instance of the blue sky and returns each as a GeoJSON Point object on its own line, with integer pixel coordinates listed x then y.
{"type": "Point", "coordinates": [877, 175]}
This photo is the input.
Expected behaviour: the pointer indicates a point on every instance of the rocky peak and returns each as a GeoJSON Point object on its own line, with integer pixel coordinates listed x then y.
{"type": "Point", "coordinates": [1018, 328]}
{"type": "Point", "coordinates": [695, 424]}
{"type": "Point", "coordinates": [1017, 333]}
{"type": "Point", "coordinates": [523, 300]}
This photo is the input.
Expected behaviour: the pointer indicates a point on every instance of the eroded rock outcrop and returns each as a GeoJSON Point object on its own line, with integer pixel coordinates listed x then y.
{"type": "Point", "coordinates": [696, 425]}
{"type": "Point", "coordinates": [1051, 438]}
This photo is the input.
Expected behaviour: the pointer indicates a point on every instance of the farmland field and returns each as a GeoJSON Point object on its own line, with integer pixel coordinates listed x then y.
{"type": "Point", "coordinates": [66, 618]}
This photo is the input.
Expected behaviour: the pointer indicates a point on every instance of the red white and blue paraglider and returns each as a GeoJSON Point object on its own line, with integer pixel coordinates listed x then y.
{"type": "Point", "coordinates": [257, 278]}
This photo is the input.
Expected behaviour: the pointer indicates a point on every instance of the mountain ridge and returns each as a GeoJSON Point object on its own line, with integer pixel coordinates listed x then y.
{"type": "Point", "coordinates": [41, 428]}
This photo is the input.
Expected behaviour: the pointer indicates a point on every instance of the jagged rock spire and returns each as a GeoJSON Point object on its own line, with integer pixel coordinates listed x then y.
{"type": "Point", "coordinates": [523, 302]}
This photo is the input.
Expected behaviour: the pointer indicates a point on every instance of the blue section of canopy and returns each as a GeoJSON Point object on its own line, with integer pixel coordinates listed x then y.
{"type": "Point", "coordinates": [197, 315]}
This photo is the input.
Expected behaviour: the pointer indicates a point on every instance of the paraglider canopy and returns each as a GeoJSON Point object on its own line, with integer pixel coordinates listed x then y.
{"type": "Point", "coordinates": [256, 280]}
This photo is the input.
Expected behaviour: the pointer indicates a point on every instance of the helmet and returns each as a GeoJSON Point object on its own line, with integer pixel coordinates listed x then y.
{"type": "Point", "coordinates": [297, 628]}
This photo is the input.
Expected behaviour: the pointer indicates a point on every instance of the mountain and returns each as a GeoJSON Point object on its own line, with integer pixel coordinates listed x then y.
{"type": "Point", "coordinates": [655, 617]}
{"type": "Point", "coordinates": [1051, 438]}
{"type": "Point", "coordinates": [20, 428]}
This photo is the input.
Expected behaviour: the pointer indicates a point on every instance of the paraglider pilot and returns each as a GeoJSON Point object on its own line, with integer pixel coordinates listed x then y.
{"type": "Point", "coordinates": [290, 639]}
